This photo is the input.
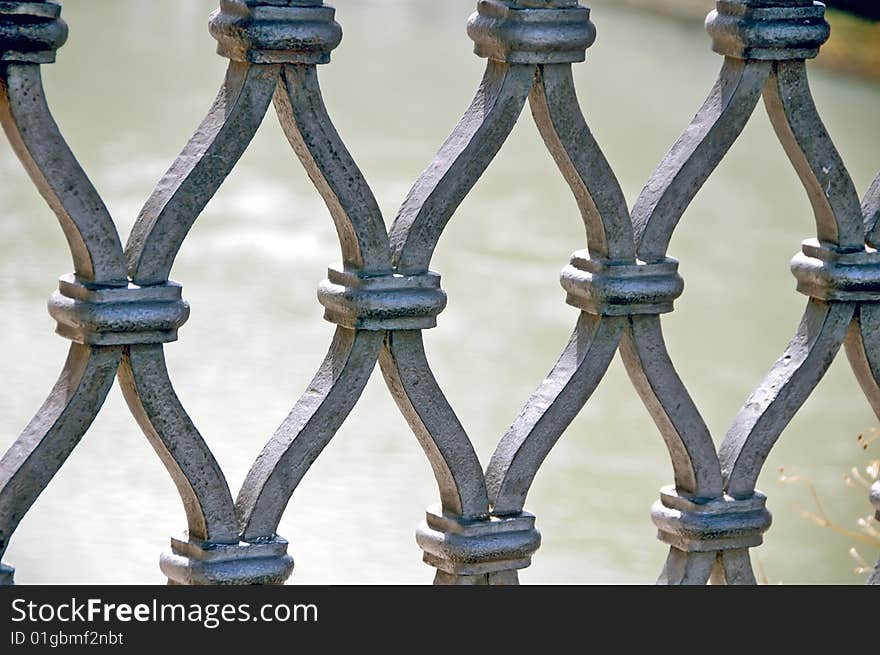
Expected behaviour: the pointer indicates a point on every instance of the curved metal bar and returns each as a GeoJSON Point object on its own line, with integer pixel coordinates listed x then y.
{"type": "Point", "coordinates": [799, 127]}
{"type": "Point", "coordinates": [437, 428]}
{"type": "Point", "coordinates": [199, 171]}
{"type": "Point", "coordinates": [561, 123]}
{"type": "Point", "coordinates": [694, 460]}
{"type": "Point", "coordinates": [863, 339]}
{"type": "Point", "coordinates": [308, 429]}
{"type": "Point", "coordinates": [304, 118]}
{"type": "Point", "coordinates": [143, 378]}
{"type": "Point", "coordinates": [550, 410]}
{"type": "Point", "coordinates": [34, 135]}
{"type": "Point", "coordinates": [871, 212]}
{"type": "Point", "coordinates": [586, 358]}
{"type": "Point", "coordinates": [353, 354]}
{"type": "Point", "coordinates": [430, 204]}
{"type": "Point", "coordinates": [45, 444]}
{"type": "Point", "coordinates": [683, 568]}
{"type": "Point", "coordinates": [735, 568]}
{"type": "Point", "coordinates": [782, 393]}
{"type": "Point", "coordinates": [874, 579]}
{"type": "Point", "coordinates": [863, 351]}
{"type": "Point", "coordinates": [696, 155]}
{"type": "Point", "coordinates": [461, 161]}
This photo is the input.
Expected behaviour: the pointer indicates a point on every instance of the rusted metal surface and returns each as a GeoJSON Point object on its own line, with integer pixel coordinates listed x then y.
{"type": "Point", "coordinates": [119, 307]}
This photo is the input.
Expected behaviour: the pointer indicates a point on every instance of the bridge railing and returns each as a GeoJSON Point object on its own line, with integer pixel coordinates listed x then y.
{"type": "Point", "coordinates": [119, 306]}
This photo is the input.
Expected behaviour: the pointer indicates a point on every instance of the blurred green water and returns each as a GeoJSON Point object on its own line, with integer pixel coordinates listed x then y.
{"type": "Point", "coordinates": [131, 85]}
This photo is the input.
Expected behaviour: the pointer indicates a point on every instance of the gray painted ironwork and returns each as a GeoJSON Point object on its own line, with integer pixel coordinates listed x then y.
{"type": "Point", "coordinates": [119, 306]}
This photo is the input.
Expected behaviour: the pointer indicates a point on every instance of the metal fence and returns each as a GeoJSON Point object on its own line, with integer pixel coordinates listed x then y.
{"type": "Point", "coordinates": [119, 306]}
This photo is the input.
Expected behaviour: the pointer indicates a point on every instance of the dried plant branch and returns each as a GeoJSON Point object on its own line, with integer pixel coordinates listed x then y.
{"type": "Point", "coordinates": [868, 533]}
